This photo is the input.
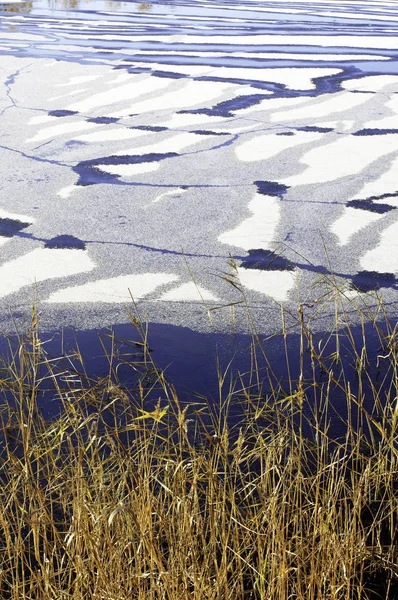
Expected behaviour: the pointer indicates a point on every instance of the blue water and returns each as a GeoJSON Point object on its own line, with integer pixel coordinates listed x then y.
{"type": "Point", "coordinates": [112, 32]}
{"type": "Point", "coordinates": [83, 24]}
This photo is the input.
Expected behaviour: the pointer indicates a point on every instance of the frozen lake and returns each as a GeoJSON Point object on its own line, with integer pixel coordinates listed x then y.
{"type": "Point", "coordinates": [201, 157]}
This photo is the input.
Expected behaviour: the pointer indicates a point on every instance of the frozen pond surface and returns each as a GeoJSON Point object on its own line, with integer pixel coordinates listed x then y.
{"type": "Point", "coordinates": [146, 146]}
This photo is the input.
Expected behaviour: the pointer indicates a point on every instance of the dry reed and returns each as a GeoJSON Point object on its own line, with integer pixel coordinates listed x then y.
{"type": "Point", "coordinates": [132, 494]}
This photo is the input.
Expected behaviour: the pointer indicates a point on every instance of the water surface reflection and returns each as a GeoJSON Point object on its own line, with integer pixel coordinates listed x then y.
{"type": "Point", "coordinates": [221, 371]}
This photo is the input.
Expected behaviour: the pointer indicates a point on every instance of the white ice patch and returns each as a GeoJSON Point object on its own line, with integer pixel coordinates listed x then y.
{"type": "Point", "coordinates": [387, 183]}
{"type": "Point", "coordinates": [262, 147]}
{"type": "Point", "coordinates": [64, 128]}
{"type": "Point", "coordinates": [129, 170]}
{"type": "Point", "coordinates": [73, 93]}
{"type": "Point", "coordinates": [276, 284]}
{"type": "Point", "coordinates": [272, 104]}
{"type": "Point", "coordinates": [66, 192]}
{"type": "Point", "coordinates": [190, 70]}
{"type": "Point", "coordinates": [227, 128]}
{"type": "Point", "coordinates": [296, 78]}
{"type": "Point", "coordinates": [390, 201]}
{"type": "Point", "coordinates": [186, 120]}
{"type": "Point", "coordinates": [258, 231]}
{"type": "Point", "coordinates": [351, 294]}
{"type": "Point", "coordinates": [172, 144]}
{"type": "Point", "coordinates": [346, 156]}
{"type": "Point", "coordinates": [387, 121]}
{"type": "Point", "coordinates": [119, 79]}
{"type": "Point", "coordinates": [345, 125]}
{"type": "Point", "coordinates": [372, 83]}
{"type": "Point", "coordinates": [348, 15]}
{"type": "Point", "coordinates": [65, 48]}
{"type": "Point", "coordinates": [115, 289]}
{"type": "Point", "coordinates": [177, 192]}
{"type": "Point", "coordinates": [41, 119]}
{"type": "Point", "coordinates": [42, 264]}
{"type": "Point", "coordinates": [136, 88]}
{"type": "Point", "coordinates": [193, 93]}
{"type": "Point", "coordinates": [383, 258]}
{"type": "Point", "coordinates": [175, 143]}
{"type": "Point", "coordinates": [31, 37]}
{"type": "Point", "coordinates": [77, 80]}
{"type": "Point", "coordinates": [189, 292]}
{"type": "Point", "coordinates": [326, 41]}
{"type": "Point", "coordinates": [5, 214]}
{"type": "Point", "coordinates": [351, 221]}
{"type": "Point", "coordinates": [267, 56]}
{"type": "Point", "coordinates": [109, 135]}
{"type": "Point", "coordinates": [323, 107]}
{"type": "Point", "coordinates": [299, 78]}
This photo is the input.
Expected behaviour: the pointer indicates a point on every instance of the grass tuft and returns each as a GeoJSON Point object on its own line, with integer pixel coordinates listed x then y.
{"type": "Point", "coordinates": [133, 494]}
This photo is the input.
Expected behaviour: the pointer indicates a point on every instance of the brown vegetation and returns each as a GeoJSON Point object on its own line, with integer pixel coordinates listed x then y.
{"type": "Point", "coordinates": [130, 494]}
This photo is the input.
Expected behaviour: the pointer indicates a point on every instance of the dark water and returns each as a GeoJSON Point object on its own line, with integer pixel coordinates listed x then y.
{"type": "Point", "coordinates": [206, 369]}
{"type": "Point", "coordinates": [119, 32]}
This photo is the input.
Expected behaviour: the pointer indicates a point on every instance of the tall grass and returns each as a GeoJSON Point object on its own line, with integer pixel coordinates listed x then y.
{"type": "Point", "coordinates": [133, 494]}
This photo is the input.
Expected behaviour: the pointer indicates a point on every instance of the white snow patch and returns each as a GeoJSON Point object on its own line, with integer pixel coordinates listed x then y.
{"type": "Point", "coordinates": [272, 104]}
{"type": "Point", "coordinates": [346, 156]}
{"type": "Point", "coordinates": [186, 120]}
{"type": "Point", "coordinates": [267, 56]}
{"type": "Point", "coordinates": [327, 41]}
{"type": "Point", "coordinates": [175, 143]}
{"type": "Point", "coordinates": [348, 15]}
{"type": "Point", "coordinates": [73, 93]}
{"type": "Point", "coordinates": [351, 294]}
{"type": "Point", "coordinates": [129, 170]}
{"type": "Point", "coordinates": [78, 79]}
{"type": "Point", "coordinates": [29, 37]}
{"type": "Point", "coordinates": [351, 221]}
{"type": "Point", "coordinates": [5, 214]}
{"type": "Point", "coordinates": [371, 83]}
{"type": "Point", "coordinates": [392, 201]}
{"type": "Point", "coordinates": [325, 107]}
{"type": "Point", "coordinates": [113, 134]}
{"type": "Point", "coordinates": [257, 231]}
{"type": "Point", "coordinates": [64, 128]}
{"type": "Point", "coordinates": [383, 258]}
{"type": "Point", "coordinates": [176, 192]}
{"type": "Point", "coordinates": [262, 147]}
{"type": "Point", "coordinates": [115, 289]}
{"type": "Point", "coordinates": [65, 192]}
{"type": "Point", "coordinates": [276, 284]}
{"type": "Point", "coordinates": [387, 120]}
{"type": "Point", "coordinates": [191, 70]}
{"type": "Point", "coordinates": [189, 292]}
{"type": "Point", "coordinates": [42, 264]}
{"type": "Point", "coordinates": [193, 93]}
{"type": "Point", "coordinates": [386, 183]}
{"type": "Point", "coordinates": [41, 119]}
{"type": "Point", "coordinates": [119, 79]}
{"type": "Point", "coordinates": [298, 78]}
{"type": "Point", "coordinates": [136, 88]}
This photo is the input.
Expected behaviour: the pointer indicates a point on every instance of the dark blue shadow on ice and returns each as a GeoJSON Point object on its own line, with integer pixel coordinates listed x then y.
{"type": "Point", "coordinates": [193, 362]}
